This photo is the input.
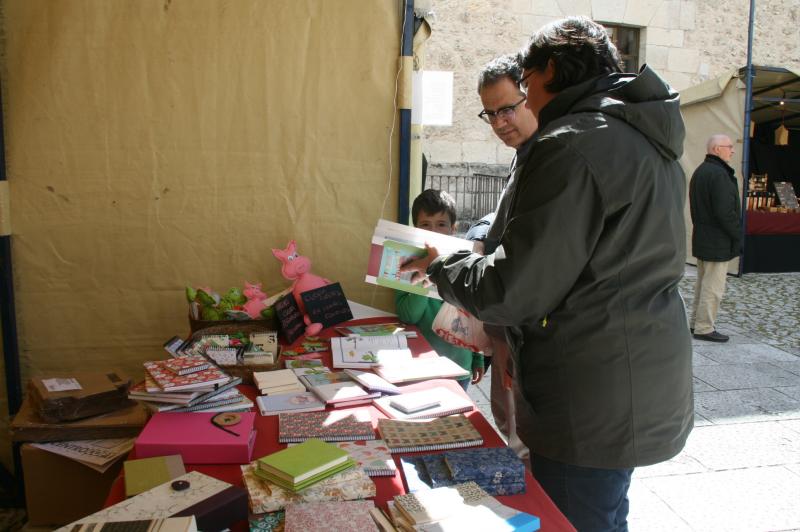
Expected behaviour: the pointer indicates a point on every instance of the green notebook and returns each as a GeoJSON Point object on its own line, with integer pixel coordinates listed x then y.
{"type": "Point", "coordinates": [146, 473]}
{"type": "Point", "coordinates": [309, 481]}
{"type": "Point", "coordinates": [300, 462]}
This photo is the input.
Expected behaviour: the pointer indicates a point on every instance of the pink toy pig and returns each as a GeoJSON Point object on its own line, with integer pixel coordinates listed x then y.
{"type": "Point", "coordinates": [255, 300]}
{"type": "Point", "coordinates": [297, 268]}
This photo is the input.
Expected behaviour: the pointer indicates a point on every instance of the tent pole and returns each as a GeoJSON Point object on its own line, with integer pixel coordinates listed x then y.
{"type": "Point", "coordinates": [404, 180]}
{"type": "Point", "coordinates": [748, 104]}
{"type": "Point", "coordinates": [11, 486]}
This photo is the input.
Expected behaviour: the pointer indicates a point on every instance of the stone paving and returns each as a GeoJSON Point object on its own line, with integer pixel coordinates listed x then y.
{"type": "Point", "coordinates": [740, 469]}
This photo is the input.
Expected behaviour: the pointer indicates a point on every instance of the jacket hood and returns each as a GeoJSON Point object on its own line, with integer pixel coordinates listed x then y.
{"type": "Point", "coordinates": [644, 101]}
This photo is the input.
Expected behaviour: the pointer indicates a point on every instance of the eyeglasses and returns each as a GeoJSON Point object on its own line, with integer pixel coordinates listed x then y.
{"type": "Point", "coordinates": [506, 113]}
{"type": "Point", "coordinates": [524, 88]}
{"type": "Point", "coordinates": [729, 146]}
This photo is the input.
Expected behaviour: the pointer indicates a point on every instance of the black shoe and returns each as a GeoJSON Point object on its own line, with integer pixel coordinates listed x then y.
{"type": "Point", "coordinates": [713, 336]}
{"type": "Point", "coordinates": [691, 330]}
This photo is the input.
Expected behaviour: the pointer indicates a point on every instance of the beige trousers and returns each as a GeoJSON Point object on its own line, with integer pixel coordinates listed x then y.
{"type": "Point", "coordinates": [505, 402]}
{"type": "Point", "coordinates": [708, 291]}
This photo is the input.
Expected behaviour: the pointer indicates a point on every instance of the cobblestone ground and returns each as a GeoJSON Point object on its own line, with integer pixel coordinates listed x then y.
{"type": "Point", "coordinates": [766, 306]}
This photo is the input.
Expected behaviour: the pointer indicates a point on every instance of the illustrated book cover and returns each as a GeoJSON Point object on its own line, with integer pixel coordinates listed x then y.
{"type": "Point", "coordinates": [364, 352]}
{"type": "Point", "coordinates": [272, 405]}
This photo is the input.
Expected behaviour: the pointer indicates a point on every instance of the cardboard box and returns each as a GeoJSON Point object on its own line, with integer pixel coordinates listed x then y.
{"type": "Point", "coordinates": [27, 426]}
{"type": "Point", "coordinates": [77, 395]}
{"type": "Point", "coordinates": [59, 490]}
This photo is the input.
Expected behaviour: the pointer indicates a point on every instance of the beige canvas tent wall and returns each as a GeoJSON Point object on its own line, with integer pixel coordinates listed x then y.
{"type": "Point", "coordinates": [157, 143]}
{"type": "Point", "coordinates": [716, 106]}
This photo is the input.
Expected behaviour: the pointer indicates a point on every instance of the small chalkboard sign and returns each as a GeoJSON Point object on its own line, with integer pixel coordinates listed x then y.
{"type": "Point", "coordinates": [327, 305]}
{"type": "Point", "coordinates": [786, 195]}
{"type": "Point", "coordinates": [290, 318]}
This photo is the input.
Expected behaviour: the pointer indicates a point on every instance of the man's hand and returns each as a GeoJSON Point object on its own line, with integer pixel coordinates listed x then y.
{"type": "Point", "coordinates": [477, 375]}
{"type": "Point", "coordinates": [420, 266]}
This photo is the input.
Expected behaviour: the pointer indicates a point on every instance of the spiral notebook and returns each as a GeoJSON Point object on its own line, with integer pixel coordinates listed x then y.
{"type": "Point", "coordinates": [451, 432]}
{"type": "Point", "coordinates": [346, 425]}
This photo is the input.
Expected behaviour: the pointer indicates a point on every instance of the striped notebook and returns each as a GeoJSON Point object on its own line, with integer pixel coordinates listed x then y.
{"type": "Point", "coordinates": [451, 432]}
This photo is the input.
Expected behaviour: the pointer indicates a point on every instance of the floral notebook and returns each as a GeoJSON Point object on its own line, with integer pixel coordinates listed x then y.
{"type": "Point", "coordinates": [347, 516]}
{"type": "Point", "coordinates": [346, 425]}
{"type": "Point", "coordinates": [374, 456]}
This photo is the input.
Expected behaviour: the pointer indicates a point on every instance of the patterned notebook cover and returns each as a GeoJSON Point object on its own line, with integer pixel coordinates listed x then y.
{"type": "Point", "coordinates": [374, 456]}
{"type": "Point", "coordinates": [347, 425]}
{"type": "Point", "coordinates": [167, 380]}
{"type": "Point", "coordinates": [347, 516]}
{"type": "Point", "coordinates": [264, 496]}
{"type": "Point", "coordinates": [488, 465]}
{"type": "Point", "coordinates": [187, 364]}
{"type": "Point", "coordinates": [424, 472]}
{"type": "Point", "coordinates": [429, 435]}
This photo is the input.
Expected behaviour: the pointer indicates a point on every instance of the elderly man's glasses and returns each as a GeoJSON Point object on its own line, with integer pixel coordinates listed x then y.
{"type": "Point", "coordinates": [505, 113]}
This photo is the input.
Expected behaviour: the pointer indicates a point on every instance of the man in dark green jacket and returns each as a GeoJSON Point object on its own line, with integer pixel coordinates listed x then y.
{"type": "Point", "coordinates": [716, 236]}
{"type": "Point", "coordinates": [586, 277]}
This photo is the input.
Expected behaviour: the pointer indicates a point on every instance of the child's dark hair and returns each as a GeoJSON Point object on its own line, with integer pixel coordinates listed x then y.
{"type": "Point", "coordinates": [432, 202]}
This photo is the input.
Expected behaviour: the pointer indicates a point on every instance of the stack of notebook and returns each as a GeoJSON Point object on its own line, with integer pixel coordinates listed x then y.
{"type": "Point", "coordinates": [264, 496]}
{"type": "Point", "coordinates": [460, 507]}
{"type": "Point", "coordinates": [338, 389]}
{"type": "Point", "coordinates": [424, 404]}
{"type": "Point", "coordinates": [278, 381]}
{"type": "Point", "coordinates": [188, 384]}
{"type": "Point", "coordinates": [298, 467]}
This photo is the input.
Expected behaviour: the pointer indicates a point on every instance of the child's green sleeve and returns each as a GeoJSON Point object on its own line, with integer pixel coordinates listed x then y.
{"type": "Point", "coordinates": [410, 307]}
{"type": "Point", "coordinates": [477, 361]}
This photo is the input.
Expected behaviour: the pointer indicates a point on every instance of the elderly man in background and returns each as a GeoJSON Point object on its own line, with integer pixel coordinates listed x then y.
{"type": "Point", "coordinates": [716, 235]}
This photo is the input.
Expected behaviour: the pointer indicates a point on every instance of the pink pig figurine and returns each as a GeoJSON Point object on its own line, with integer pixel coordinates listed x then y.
{"type": "Point", "coordinates": [255, 300]}
{"type": "Point", "coordinates": [297, 268]}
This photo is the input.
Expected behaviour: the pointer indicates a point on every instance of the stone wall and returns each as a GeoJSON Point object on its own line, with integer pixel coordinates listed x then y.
{"type": "Point", "coordinates": [686, 41]}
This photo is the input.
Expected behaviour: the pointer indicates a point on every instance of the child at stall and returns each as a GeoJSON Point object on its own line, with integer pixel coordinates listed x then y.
{"type": "Point", "coordinates": [435, 210]}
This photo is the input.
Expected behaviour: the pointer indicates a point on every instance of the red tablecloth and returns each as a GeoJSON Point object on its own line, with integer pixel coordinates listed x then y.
{"type": "Point", "coordinates": [535, 501]}
{"type": "Point", "coordinates": [772, 223]}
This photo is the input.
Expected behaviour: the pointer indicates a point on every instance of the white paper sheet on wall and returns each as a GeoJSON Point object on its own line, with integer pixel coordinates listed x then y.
{"type": "Point", "coordinates": [432, 99]}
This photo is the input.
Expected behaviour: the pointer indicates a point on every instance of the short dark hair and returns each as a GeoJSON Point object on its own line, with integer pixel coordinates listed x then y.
{"type": "Point", "coordinates": [432, 202]}
{"type": "Point", "coordinates": [579, 48]}
{"type": "Point", "coordinates": [505, 66]}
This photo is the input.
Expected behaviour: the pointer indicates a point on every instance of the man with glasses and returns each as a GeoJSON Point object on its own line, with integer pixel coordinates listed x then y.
{"type": "Point", "coordinates": [585, 279]}
{"type": "Point", "coordinates": [716, 235]}
{"type": "Point", "coordinates": [514, 124]}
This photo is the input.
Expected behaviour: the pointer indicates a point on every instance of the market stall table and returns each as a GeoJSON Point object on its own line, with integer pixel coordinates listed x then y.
{"type": "Point", "coordinates": [772, 242]}
{"type": "Point", "coordinates": [535, 501]}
